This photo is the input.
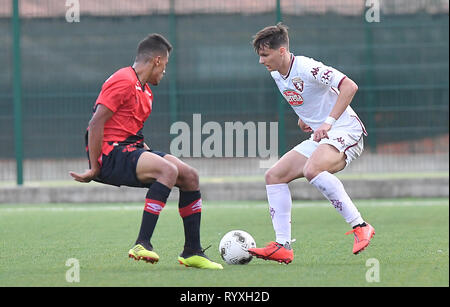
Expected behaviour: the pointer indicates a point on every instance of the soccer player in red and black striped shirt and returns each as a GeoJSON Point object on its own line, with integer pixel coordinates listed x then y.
{"type": "Point", "coordinates": [119, 156]}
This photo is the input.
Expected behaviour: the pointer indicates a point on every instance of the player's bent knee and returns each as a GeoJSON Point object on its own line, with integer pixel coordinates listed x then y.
{"type": "Point", "coordinates": [170, 171]}
{"type": "Point", "coordinates": [189, 180]}
{"type": "Point", "coordinates": [309, 171]}
{"type": "Point", "coordinates": [165, 172]}
{"type": "Point", "coordinates": [193, 176]}
{"type": "Point", "coordinates": [271, 177]}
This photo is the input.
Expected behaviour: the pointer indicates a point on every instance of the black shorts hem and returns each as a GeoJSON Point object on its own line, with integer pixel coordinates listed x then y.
{"type": "Point", "coordinates": [119, 167]}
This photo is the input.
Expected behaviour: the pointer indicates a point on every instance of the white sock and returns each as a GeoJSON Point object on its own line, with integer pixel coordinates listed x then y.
{"type": "Point", "coordinates": [333, 189]}
{"type": "Point", "coordinates": [280, 204]}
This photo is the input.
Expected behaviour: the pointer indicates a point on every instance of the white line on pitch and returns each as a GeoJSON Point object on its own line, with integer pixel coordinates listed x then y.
{"type": "Point", "coordinates": [262, 205]}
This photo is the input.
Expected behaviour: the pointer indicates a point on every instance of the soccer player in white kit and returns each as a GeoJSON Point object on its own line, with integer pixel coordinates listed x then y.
{"type": "Point", "coordinates": [321, 96]}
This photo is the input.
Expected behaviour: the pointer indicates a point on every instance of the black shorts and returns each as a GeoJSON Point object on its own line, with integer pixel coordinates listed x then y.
{"type": "Point", "coordinates": [119, 167]}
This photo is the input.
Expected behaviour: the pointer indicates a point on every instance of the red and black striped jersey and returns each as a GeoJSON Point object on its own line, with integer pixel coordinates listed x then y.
{"type": "Point", "coordinates": [131, 104]}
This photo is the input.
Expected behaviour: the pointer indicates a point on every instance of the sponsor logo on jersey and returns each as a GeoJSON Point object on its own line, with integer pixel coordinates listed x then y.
{"type": "Point", "coordinates": [294, 98]}
{"type": "Point", "coordinates": [138, 86]}
{"type": "Point", "coordinates": [326, 76]}
{"type": "Point", "coordinates": [315, 71]}
{"type": "Point", "coordinates": [298, 83]}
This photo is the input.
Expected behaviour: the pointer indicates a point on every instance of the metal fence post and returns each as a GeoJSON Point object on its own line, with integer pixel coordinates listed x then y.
{"type": "Point", "coordinates": [369, 90]}
{"type": "Point", "coordinates": [173, 108]}
{"type": "Point", "coordinates": [281, 103]}
{"type": "Point", "coordinates": [17, 92]}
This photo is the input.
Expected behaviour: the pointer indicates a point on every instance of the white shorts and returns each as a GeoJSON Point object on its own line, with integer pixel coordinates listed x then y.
{"type": "Point", "coordinates": [348, 140]}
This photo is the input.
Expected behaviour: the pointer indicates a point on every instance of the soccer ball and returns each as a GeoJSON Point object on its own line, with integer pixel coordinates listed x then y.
{"type": "Point", "coordinates": [234, 247]}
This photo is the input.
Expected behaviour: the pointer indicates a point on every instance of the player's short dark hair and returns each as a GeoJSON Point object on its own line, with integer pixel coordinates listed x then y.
{"type": "Point", "coordinates": [151, 46]}
{"type": "Point", "coordinates": [272, 37]}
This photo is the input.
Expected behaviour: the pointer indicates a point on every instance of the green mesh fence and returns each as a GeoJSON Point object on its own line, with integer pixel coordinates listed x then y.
{"type": "Point", "coordinates": [400, 63]}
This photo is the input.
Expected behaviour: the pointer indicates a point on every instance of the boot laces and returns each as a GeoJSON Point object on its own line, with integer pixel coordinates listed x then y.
{"type": "Point", "coordinates": [204, 249]}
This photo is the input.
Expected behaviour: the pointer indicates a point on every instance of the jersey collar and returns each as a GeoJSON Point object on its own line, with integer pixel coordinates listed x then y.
{"type": "Point", "coordinates": [137, 77]}
{"type": "Point", "coordinates": [290, 67]}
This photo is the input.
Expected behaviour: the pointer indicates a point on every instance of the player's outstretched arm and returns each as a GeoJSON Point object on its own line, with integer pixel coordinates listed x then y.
{"type": "Point", "coordinates": [95, 141]}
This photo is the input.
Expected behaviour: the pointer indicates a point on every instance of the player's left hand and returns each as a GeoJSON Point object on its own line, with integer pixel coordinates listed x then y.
{"type": "Point", "coordinates": [86, 177]}
{"type": "Point", "coordinates": [303, 126]}
{"type": "Point", "coordinates": [322, 132]}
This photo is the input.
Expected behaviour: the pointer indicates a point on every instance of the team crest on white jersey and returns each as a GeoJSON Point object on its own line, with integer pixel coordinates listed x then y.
{"type": "Point", "coordinates": [298, 83]}
{"type": "Point", "coordinates": [294, 98]}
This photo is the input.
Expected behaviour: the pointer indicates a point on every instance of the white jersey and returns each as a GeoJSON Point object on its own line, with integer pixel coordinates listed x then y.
{"type": "Point", "coordinates": [311, 88]}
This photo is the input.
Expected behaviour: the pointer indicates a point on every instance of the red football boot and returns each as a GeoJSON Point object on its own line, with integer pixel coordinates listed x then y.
{"type": "Point", "coordinates": [274, 251]}
{"type": "Point", "coordinates": [362, 234]}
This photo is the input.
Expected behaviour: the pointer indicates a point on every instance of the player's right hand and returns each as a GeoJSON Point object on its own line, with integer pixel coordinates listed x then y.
{"type": "Point", "coordinates": [87, 176]}
{"type": "Point", "coordinates": [304, 126]}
